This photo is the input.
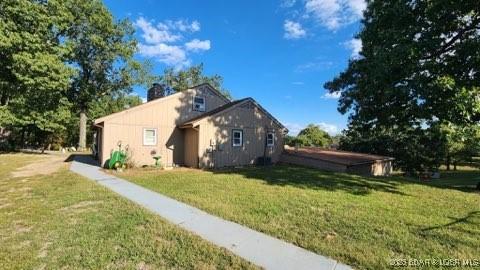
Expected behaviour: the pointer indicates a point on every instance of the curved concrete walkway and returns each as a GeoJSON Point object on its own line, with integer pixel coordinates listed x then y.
{"type": "Point", "coordinates": [258, 248]}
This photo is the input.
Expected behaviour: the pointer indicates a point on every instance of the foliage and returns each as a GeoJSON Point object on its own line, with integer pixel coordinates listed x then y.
{"type": "Point", "coordinates": [289, 140]}
{"type": "Point", "coordinates": [336, 139]}
{"type": "Point", "coordinates": [460, 143]}
{"type": "Point", "coordinates": [102, 53]}
{"type": "Point", "coordinates": [33, 73]}
{"type": "Point", "coordinates": [419, 66]}
{"type": "Point", "coordinates": [312, 135]}
{"type": "Point", "coordinates": [194, 75]}
{"type": "Point", "coordinates": [103, 106]}
{"type": "Point", "coordinates": [112, 103]}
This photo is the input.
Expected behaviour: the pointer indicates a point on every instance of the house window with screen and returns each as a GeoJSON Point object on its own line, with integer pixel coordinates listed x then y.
{"type": "Point", "coordinates": [270, 139]}
{"type": "Point", "coordinates": [237, 139]}
{"type": "Point", "coordinates": [199, 104]}
{"type": "Point", "coordinates": [149, 136]}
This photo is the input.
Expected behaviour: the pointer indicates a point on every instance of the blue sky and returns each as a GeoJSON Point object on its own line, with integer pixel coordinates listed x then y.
{"type": "Point", "coordinates": [278, 52]}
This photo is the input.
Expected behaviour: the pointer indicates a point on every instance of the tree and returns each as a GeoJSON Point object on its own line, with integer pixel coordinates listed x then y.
{"type": "Point", "coordinates": [460, 143]}
{"type": "Point", "coordinates": [33, 75]}
{"type": "Point", "coordinates": [312, 135]}
{"type": "Point", "coordinates": [184, 79]}
{"type": "Point", "coordinates": [105, 105]}
{"type": "Point", "coordinates": [102, 54]}
{"type": "Point", "coordinates": [419, 66]}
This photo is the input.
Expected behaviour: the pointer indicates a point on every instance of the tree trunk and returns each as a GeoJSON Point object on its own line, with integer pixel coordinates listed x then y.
{"type": "Point", "coordinates": [455, 166]}
{"type": "Point", "coordinates": [448, 163]}
{"type": "Point", "coordinates": [82, 140]}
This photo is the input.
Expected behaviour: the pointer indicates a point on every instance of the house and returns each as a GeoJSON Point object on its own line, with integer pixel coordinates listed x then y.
{"type": "Point", "coordinates": [198, 127]}
{"type": "Point", "coordinates": [339, 161]}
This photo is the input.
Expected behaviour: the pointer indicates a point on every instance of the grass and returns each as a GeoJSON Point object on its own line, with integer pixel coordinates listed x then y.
{"type": "Point", "coordinates": [63, 221]}
{"type": "Point", "coordinates": [361, 221]}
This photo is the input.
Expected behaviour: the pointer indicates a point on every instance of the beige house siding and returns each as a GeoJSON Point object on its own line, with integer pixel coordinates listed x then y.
{"type": "Point", "coordinates": [378, 168]}
{"type": "Point", "coordinates": [164, 115]}
{"type": "Point", "coordinates": [215, 137]}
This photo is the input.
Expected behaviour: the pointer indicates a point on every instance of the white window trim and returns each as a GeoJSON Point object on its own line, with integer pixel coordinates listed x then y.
{"type": "Point", "coordinates": [144, 137]}
{"type": "Point", "coordinates": [240, 131]}
{"type": "Point", "coordinates": [273, 139]}
{"type": "Point", "coordinates": [201, 109]}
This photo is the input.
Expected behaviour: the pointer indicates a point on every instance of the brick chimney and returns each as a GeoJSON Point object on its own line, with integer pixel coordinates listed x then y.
{"type": "Point", "coordinates": [156, 91]}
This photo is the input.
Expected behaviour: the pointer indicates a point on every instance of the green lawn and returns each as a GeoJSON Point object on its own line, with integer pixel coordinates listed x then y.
{"type": "Point", "coordinates": [63, 221]}
{"type": "Point", "coordinates": [364, 222]}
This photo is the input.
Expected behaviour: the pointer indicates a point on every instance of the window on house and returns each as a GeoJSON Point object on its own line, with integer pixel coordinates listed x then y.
{"type": "Point", "coordinates": [270, 139]}
{"type": "Point", "coordinates": [149, 136]}
{"type": "Point", "coordinates": [199, 104]}
{"type": "Point", "coordinates": [237, 139]}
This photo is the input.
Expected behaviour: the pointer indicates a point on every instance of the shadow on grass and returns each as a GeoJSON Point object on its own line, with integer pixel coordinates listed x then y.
{"type": "Point", "coordinates": [82, 158]}
{"type": "Point", "coordinates": [308, 178]}
{"type": "Point", "coordinates": [465, 181]}
{"type": "Point", "coordinates": [304, 177]}
{"type": "Point", "coordinates": [468, 219]}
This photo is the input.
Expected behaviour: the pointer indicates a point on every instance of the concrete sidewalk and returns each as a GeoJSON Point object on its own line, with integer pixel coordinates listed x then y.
{"type": "Point", "coordinates": [258, 248]}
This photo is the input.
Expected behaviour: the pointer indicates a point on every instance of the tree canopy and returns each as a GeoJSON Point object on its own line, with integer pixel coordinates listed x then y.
{"type": "Point", "coordinates": [101, 51]}
{"type": "Point", "coordinates": [33, 73]}
{"type": "Point", "coordinates": [183, 79]}
{"type": "Point", "coordinates": [418, 69]}
{"type": "Point", "coordinates": [312, 135]}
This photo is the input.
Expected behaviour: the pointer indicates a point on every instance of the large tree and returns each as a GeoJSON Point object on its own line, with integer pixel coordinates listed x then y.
{"type": "Point", "coordinates": [102, 52]}
{"type": "Point", "coordinates": [180, 80]}
{"type": "Point", "coordinates": [312, 135]}
{"type": "Point", "coordinates": [33, 74]}
{"type": "Point", "coordinates": [419, 67]}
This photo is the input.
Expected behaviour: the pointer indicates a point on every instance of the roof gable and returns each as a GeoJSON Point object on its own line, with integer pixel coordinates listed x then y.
{"type": "Point", "coordinates": [204, 86]}
{"type": "Point", "coordinates": [231, 106]}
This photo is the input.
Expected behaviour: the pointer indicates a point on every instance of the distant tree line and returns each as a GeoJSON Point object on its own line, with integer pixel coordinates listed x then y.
{"type": "Point", "coordinates": [414, 91]}
{"type": "Point", "coordinates": [64, 63]}
{"type": "Point", "coordinates": [313, 136]}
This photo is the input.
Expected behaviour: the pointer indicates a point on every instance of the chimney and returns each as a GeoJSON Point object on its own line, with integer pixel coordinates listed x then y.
{"type": "Point", "coordinates": [156, 91]}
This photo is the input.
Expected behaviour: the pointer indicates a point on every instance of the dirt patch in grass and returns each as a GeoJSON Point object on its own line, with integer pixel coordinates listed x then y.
{"type": "Point", "coordinates": [47, 165]}
{"type": "Point", "coordinates": [80, 205]}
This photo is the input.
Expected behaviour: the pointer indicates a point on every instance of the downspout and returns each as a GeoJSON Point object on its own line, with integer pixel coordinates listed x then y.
{"type": "Point", "coordinates": [265, 148]}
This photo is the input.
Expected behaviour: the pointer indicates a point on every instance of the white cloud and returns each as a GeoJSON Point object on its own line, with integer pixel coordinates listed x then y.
{"type": "Point", "coordinates": [144, 99]}
{"type": "Point", "coordinates": [329, 128]}
{"type": "Point", "coordinates": [295, 128]}
{"type": "Point", "coordinates": [314, 66]}
{"type": "Point", "coordinates": [198, 45]}
{"type": "Point", "coordinates": [333, 14]}
{"type": "Point", "coordinates": [180, 25]}
{"type": "Point", "coordinates": [335, 95]}
{"type": "Point", "coordinates": [355, 46]}
{"type": "Point", "coordinates": [293, 30]}
{"type": "Point", "coordinates": [169, 54]}
{"type": "Point", "coordinates": [154, 35]}
{"type": "Point", "coordinates": [162, 41]}
{"type": "Point", "coordinates": [357, 7]}
{"type": "Point", "coordinates": [288, 3]}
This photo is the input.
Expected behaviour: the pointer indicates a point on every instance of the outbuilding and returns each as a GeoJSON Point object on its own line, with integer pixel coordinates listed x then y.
{"type": "Point", "coordinates": [338, 161]}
